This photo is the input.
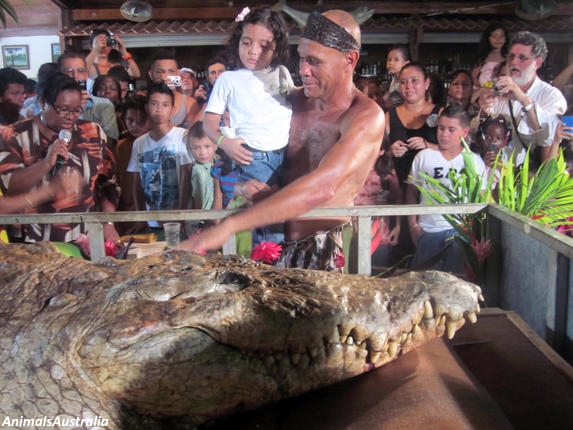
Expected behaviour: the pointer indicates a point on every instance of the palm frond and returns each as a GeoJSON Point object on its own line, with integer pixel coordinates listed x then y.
{"type": "Point", "coordinates": [6, 8]}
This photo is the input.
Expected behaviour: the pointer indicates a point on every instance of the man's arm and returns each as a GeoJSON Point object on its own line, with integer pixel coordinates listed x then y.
{"type": "Point", "coordinates": [341, 172]}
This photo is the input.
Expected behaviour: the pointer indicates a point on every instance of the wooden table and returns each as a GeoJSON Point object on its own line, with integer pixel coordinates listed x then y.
{"type": "Point", "coordinates": [495, 374]}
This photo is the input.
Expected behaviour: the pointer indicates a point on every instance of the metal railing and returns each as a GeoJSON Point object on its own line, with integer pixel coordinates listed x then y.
{"type": "Point", "coordinates": [362, 215]}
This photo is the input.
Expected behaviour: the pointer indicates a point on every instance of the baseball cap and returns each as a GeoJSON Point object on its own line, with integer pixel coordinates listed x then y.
{"type": "Point", "coordinates": [188, 70]}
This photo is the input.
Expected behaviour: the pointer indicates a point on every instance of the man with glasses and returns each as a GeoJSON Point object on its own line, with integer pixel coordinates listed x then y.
{"type": "Point", "coordinates": [533, 106]}
{"type": "Point", "coordinates": [96, 109]}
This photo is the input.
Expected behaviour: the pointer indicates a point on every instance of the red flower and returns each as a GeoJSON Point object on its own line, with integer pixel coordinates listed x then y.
{"type": "Point", "coordinates": [110, 248]}
{"type": "Point", "coordinates": [482, 248]}
{"type": "Point", "coordinates": [267, 252]}
{"type": "Point", "coordinates": [339, 260]}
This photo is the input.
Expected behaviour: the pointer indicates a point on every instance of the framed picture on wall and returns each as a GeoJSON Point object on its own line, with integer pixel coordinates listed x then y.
{"type": "Point", "coordinates": [16, 56]}
{"type": "Point", "coordinates": [56, 52]}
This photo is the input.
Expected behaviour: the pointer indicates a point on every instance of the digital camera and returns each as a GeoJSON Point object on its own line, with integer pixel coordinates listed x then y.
{"type": "Point", "coordinates": [173, 81]}
{"type": "Point", "coordinates": [110, 40]}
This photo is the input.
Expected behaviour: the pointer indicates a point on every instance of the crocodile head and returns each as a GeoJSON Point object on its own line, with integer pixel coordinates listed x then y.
{"type": "Point", "coordinates": [178, 334]}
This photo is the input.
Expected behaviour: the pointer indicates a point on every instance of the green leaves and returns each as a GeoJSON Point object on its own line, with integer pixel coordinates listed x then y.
{"type": "Point", "coordinates": [6, 8]}
{"type": "Point", "coordinates": [545, 195]}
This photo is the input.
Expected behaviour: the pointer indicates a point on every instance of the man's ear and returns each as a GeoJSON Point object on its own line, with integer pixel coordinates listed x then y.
{"type": "Point", "coordinates": [351, 59]}
{"type": "Point", "coordinates": [538, 63]}
{"type": "Point", "coordinates": [150, 74]}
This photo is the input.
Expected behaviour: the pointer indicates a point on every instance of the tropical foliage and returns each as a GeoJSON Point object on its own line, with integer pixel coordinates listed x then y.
{"type": "Point", "coordinates": [6, 8]}
{"type": "Point", "coordinates": [545, 195]}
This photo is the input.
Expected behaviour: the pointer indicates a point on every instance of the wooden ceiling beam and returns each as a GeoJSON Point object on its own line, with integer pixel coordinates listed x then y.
{"type": "Point", "coordinates": [158, 13]}
{"type": "Point", "coordinates": [431, 8]}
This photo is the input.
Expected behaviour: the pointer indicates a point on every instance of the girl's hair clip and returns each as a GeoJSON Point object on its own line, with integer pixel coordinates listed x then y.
{"type": "Point", "coordinates": [240, 17]}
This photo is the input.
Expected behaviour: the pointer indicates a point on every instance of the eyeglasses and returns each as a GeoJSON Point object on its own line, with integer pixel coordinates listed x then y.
{"type": "Point", "coordinates": [63, 111]}
{"type": "Point", "coordinates": [521, 58]}
{"type": "Point", "coordinates": [71, 70]}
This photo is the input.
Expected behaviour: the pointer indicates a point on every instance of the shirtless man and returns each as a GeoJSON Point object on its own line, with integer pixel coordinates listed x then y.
{"type": "Point", "coordinates": [335, 139]}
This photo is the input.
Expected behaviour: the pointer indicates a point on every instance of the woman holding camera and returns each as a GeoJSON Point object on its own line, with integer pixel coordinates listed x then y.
{"type": "Point", "coordinates": [102, 42]}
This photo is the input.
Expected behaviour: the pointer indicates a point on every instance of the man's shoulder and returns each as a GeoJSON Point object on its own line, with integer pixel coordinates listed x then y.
{"type": "Point", "coordinates": [545, 89]}
{"type": "Point", "coordinates": [101, 102]}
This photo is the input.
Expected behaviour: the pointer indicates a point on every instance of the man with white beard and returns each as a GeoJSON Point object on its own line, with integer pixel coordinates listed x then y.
{"type": "Point", "coordinates": [533, 106]}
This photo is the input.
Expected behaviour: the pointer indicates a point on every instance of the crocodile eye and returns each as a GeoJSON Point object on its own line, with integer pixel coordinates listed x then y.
{"type": "Point", "coordinates": [238, 280]}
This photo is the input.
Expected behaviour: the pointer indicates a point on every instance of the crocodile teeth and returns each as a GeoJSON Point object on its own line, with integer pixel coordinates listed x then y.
{"type": "Point", "coordinates": [392, 348]}
{"type": "Point", "coordinates": [377, 342]}
{"type": "Point", "coordinates": [375, 356]}
{"type": "Point", "coordinates": [343, 332]}
{"type": "Point", "coordinates": [472, 317]}
{"type": "Point", "coordinates": [334, 336]}
{"type": "Point", "coordinates": [417, 333]}
{"type": "Point", "coordinates": [451, 327]}
{"type": "Point", "coordinates": [428, 311]}
{"type": "Point", "coordinates": [349, 340]}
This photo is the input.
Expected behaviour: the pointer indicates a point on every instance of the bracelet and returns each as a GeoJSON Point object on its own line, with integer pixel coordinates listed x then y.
{"type": "Point", "coordinates": [128, 57]}
{"type": "Point", "coordinates": [28, 201]}
{"type": "Point", "coordinates": [219, 140]}
{"type": "Point", "coordinates": [527, 108]}
{"type": "Point", "coordinates": [414, 226]}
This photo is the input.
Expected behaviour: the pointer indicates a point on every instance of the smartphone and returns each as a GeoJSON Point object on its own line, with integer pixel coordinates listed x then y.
{"type": "Point", "coordinates": [83, 85]}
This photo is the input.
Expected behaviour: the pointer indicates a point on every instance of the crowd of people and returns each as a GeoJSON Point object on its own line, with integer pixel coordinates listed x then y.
{"type": "Point", "coordinates": [83, 139]}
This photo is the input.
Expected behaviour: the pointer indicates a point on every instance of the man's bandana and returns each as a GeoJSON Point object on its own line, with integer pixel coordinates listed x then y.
{"type": "Point", "coordinates": [326, 32]}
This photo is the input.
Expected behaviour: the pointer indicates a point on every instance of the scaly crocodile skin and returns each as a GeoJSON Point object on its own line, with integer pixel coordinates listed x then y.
{"type": "Point", "coordinates": [184, 338]}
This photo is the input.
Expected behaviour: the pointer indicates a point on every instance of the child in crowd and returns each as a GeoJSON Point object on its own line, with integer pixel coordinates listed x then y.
{"type": "Point", "coordinates": [255, 96]}
{"type": "Point", "coordinates": [431, 233]}
{"type": "Point", "coordinates": [158, 156]}
{"type": "Point", "coordinates": [199, 178]}
{"type": "Point", "coordinates": [398, 57]}
{"type": "Point", "coordinates": [137, 123]}
{"type": "Point", "coordinates": [493, 137]}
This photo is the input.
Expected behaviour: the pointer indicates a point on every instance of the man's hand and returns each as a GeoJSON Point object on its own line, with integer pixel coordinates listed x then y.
{"type": "Point", "coordinates": [486, 100]}
{"type": "Point", "coordinates": [209, 239]}
{"type": "Point", "coordinates": [508, 88]}
{"type": "Point", "coordinates": [200, 94]}
{"type": "Point", "coordinates": [234, 148]}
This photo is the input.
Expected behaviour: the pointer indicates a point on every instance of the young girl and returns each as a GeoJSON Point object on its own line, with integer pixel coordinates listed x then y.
{"type": "Point", "coordinates": [398, 57]}
{"type": "Point", "coordinates": [255, 96]}
{"type": "Point", "coordinates": [492, 50]}
{"type": "Point", "coordinates": [494, 136]}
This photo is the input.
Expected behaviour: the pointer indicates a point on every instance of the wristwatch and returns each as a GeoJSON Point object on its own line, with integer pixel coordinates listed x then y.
{"type": "Point", "coordinates": [528, 107]}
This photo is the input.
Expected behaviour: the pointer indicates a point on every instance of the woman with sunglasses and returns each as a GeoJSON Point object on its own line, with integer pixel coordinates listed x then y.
{"type": "Point", "coordinates": [56, 143]}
